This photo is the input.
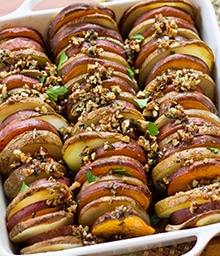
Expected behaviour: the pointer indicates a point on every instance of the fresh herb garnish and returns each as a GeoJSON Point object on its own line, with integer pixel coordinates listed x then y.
{"type": "Point", "coordinates": [42, 79]}
{"type": "Point", "coordinates": [138, 36]}
{"type": "Point", "coordinates": [23, 187]}
{"type": "Point", "coordinates": [63, 58]}
{"type": "Point", "coordinates": [152, 129]}
{"type": "Point", "coordinates": [56, 91]}
{"type": "Point", "coordinates": [121, 172]}
{"type": "Point", "coordinates": [172, 52]}
{"type": "Point", "coordinates": [141, 102]}
{"type": "Point", "coordinates": [171, 116]}
{"type": "Point", "coordinates": [214, 150]}
{"type": "Point", "coordinates": [90, 177]}
{"type": "Point", "coordinates": [130, 72]}
{"type": "Point", "coordinates": [154, 219]}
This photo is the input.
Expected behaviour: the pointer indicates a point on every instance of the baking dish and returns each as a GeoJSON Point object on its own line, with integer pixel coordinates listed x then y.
{"type": "Point", "coordinates": [208, 27]}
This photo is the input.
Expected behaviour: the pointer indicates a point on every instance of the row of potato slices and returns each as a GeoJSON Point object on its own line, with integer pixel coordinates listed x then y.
{"type": "Point", "coordinates": [103, 151]}
{"type": "Point", "coordinates": [175, 69]}
{"type": "Point", "coordinates": [40, 214]}
{"type": "Point", "coordinates": [89, 51]}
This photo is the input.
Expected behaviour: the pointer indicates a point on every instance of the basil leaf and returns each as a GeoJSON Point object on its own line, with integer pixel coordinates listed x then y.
{"type": "Point", "coordinates": [154, 220]}
{"type": "Point", "coordinates": [138, 36]}
{"type": "Point", "coordinates": [23, 187]}
{"type": "Point", "coordinates": [63, 58]}
{"type": "Point", "coordinates": [90, 177]}
{"type": "Point", "coordinates": [42, 79]}
{"type": "Point", "coordinates": [214, 150]}
{"type": "Point", "coordinates": [171, 116]}
{"type": "Point", "coordinates": [152, 129]}
{"type": "Point", "coordinates": [130, 72]}
{"type": "Point", "coordinates": [141, 102]}
{"type": "Point", "coordinates": [121, 171]}
{"type": "Point", "coordinates": [55, 91]}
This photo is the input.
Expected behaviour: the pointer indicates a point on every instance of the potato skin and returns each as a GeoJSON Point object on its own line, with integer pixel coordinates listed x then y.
{"type": "Point", "coordinates": [30, 142]}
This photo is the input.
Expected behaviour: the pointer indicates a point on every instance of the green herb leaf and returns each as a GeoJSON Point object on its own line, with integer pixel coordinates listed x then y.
{"type": "Point", "coordinates": [63, 58]}
{"type": "Point", "coordinates": [154, 219]}
{"type": "Point", "coordinates": [42, 79]}
{"type": "Point", "coordinates": [141, 102]}
{"type": "Point", "coordinates": [130, 72]}
{"type": "Point", "coordinates": [214, 150]}
{"type": "Point", "coordinates": [172, 52]}
{"type": "Point", "coordinates": [23, 187]}
{"type": "Point", "coordinates": [56, 91]}
{"type": "Point", "coordinates": [171, 116]}
{"type": "Point", "coordinates": [152, 129]}
{"type": "Point", "coordinates": [90, 177]}
{"type": "Point", "coordinates": [121, 171]}
{"type": "Point", "coordinates": [138, 36]}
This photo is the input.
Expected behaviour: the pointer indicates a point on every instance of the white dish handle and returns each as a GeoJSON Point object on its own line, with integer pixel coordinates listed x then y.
{"type": "Point", "coordinates": [26, 6]}
{"type": "Point", "coordinates": [204, 236]}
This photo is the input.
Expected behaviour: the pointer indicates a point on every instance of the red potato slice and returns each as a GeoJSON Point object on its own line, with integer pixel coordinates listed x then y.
{"type": "Point", "coordinates": [18, 116]}
{"type": "Point", "coordinates": [21, 31]}
{"type": "Point", "coordinates": [114, 176]}
{"type": "Point", "coordinates": [185, 216]}
{"type": "Point", "coordinates": [53, 244]}
{"type": "Point", "coordinates": [106, 166]}
{"type": "Point", "coordinates": [206, 218]}
{"type": "Point", "coordinates": [198, 140]}
{"type": "Point", "coordinates": [36, 104]}
{"type": "Point", "coordinates": [165, 11]}
{"type": "Point", "coordinates": [165, 207]}
{"type": "Point", "coordinates": [96, 208]}
{"type": "Point", "coordinates": [122, 83]}
{"type": "Point", "coordinates": [62, 39]}
{"type": "Point", "coordinates": [131, 149]}
{"type": "Point", "coordinates": [131, 14]}
{"type": "Point", "coordinates": [117, 77]}
{"type": "Point", "coordinates": [204, 114]}
{"type": "Point", "coordinates": [147, 27]}
{"type": "Point", "coordinates": [105, 55]}
{"type": "Point", "coordinates": [81, 65]}
{"type": "Point", "coordinates": [196, 49]}
{"type": "Point", "coordinates": [98, 45]}
{"type": "Point", "coordinates": [73, 147]}
{"type": "Point", "coordinates": [19, 43]}
{"type": "Point", "coordinates": [173, 133]}
{"type": "Point", "coordinates": [64, 231]}
{"type": "Point", "coordinates": [181, 34]}
{"type": "Point", "coordinates": [178, 160]}
{"type": "Point", "coordinates": [40, 57]}
{"type": "Point", "coordinates": [205, 83]}
{"type": "Point", "coordinates": [96, 190]}
{"type": "Point", "coordinates": [12, 130]}
{"type": "Point", "coordinates": [75, 12]}
{"type": "Point", "coordinates": [176, 62]}
{"type": "Point", "coordinates": [94, 117]}
{"type": "Point", "coordinates": [48, 190]}
{"type": "Point", "coordinates": [13, 183]}
{"type": "Point", "coordinates": [188, 100]}
{"type": "Point", "coordinates": [29, 142]}
{"type": "Point", "coordinates": [56, 120]}
{"type": "Point", "coordinates": [18, 81]}
{"type": "Point", "coordinates": [73, 112]}
{"type": "Point", "coordinates": [39, 208]}
{"type": "Point", "coordinates": [35, 226]}
{"type": "Point", "coordinates": [101, 19]}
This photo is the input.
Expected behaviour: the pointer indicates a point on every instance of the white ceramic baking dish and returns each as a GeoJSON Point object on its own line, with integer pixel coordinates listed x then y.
{"type": "Point", "coordinates": [209, 31]}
